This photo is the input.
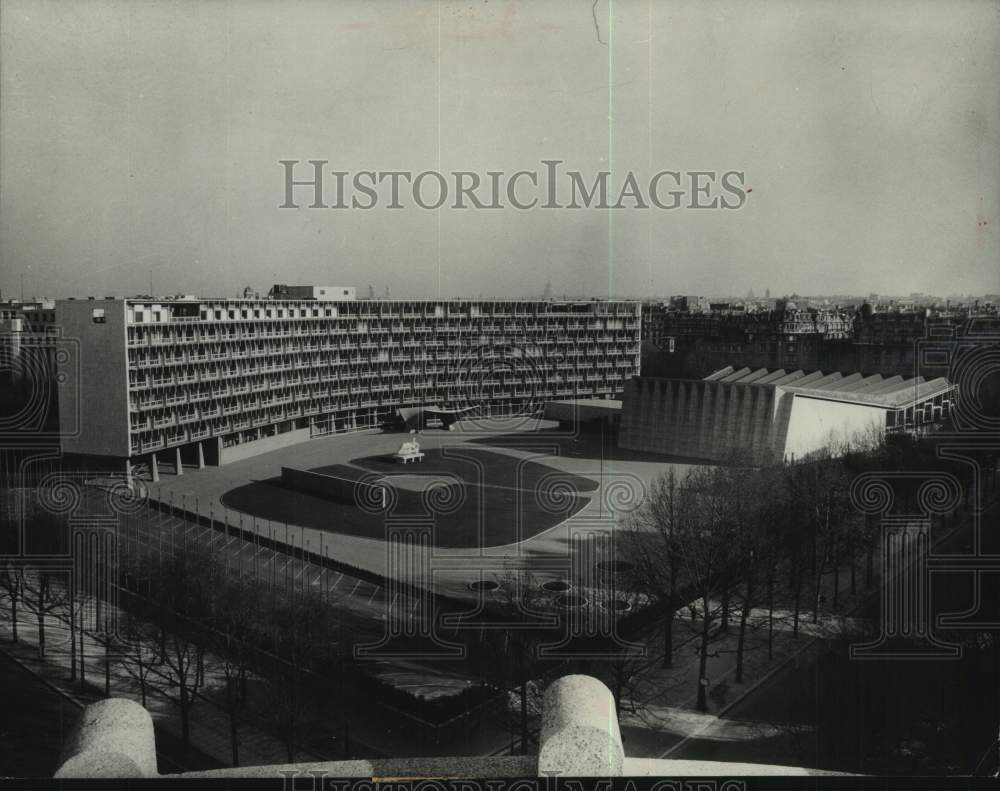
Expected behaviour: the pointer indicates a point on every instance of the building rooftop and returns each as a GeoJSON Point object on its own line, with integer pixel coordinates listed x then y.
{"type": "Point", "coordinates": [894, 392]}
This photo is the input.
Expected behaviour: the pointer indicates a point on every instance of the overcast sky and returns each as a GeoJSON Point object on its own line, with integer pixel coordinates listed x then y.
{"type": "Point", "coordinates": [147, 136]}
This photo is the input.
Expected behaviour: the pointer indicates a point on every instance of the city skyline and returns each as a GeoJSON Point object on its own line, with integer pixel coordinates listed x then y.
{"type": "Point", "coordinates": [143, 139]}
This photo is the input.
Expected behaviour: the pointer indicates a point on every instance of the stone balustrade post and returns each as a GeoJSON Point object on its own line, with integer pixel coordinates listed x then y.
{"type": "Point", "coordinates": [580, 734]}
{"type": "Point", "coordinates": [113, 738]}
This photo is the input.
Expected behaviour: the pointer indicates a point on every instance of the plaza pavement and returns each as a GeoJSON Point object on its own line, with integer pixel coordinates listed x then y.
{"type": "Point", "coordinates": [621, 486]}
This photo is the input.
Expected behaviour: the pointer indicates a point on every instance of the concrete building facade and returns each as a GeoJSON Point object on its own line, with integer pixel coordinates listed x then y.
{"type": "Point", "coordinates": [774, 414]}
{"type": "Point", "coordinates": [212, 380]}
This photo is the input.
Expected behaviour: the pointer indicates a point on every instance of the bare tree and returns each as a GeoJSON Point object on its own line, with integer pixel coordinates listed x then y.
{"type": "Point", "coordinates": [12, 585]}
{"type": "Point", "coordinates": [750, 491]}
{"type": "Point", "coordinates": [508, 658]}
{"type": "Point", "coordinates": [303, 629]}
{"type": "Point", "coordinates": [43, 597]}
{"type": "Point", "coordinates": [140, 654]}
{"type": "Point", "coordinates": [182, 588]}
{"type": "Point", "coordinates": [236, 623]}
{"type": "Point", "coordinates": [705, 549]}
{"type": "Point", "coordinates": [826, 505]}
{"type": "Point", "coordinates": [41, 592]}
{"type": "Point", "coordinates": [650, 544]}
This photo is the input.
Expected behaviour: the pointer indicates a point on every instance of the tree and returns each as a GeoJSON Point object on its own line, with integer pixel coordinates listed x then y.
{"type": "Point", "coordinates": [790, 506]}
{"type": "Point", "coordinates": [508, 658]}
{"type": "Point", "coordinates": [650, 546]}
{"type": "Point", "coordinates": [751, 506]}
{"type": "Point", "coordinates": [12, 584]}
{"type": "Point", "coordinates": [236, 623]}
{"type": "Point", "coordinates": [140, 655]}
{"type": "Point", "coordinates": [43, 597]}
{"type": "Point", "coordinates": [40, 592]}
{"type": "Point", "coordinates": [304, 631]}
{"type": "Point", "coordinates": [704, 545]}
{"type": "Point", "coordinates": [182, 587]}
{"type": "Point", "coordinates": [826, 508]}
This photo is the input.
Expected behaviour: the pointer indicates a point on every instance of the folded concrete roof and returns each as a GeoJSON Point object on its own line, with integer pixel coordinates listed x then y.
{"type": "Point", "coordinates": [895, 392]}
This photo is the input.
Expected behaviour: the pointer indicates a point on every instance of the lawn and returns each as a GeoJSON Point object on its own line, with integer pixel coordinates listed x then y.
{"type": "Point", "coordinates": [497, 499]}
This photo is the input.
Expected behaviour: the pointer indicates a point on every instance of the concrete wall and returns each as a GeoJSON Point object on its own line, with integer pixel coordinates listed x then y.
{"type": "Point", "coordinates": [813, 421]}
{"type": "Point", "coordinates": [254, 448]}
{"type": "Point", "coordinates": [697, 419]}
{"type": "Point", "coordinates": [331, 487]}
{"type": "Point", "coordinates": [94, 390]}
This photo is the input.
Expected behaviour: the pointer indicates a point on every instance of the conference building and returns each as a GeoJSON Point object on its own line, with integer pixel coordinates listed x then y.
{"type": "Point", "coordinates": [774, 414]}
{"type": "Point", "coordinates": [207, 381]}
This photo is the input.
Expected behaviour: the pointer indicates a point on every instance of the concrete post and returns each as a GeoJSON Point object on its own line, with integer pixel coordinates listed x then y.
{"type": "Point", "coordinates": [154, 468]}
{"type": "Point", "coordinates": [201, 457]}
{"type": "Point", "coordinates": [580, 733]}
{"type": "Point", "coordinates": [113, 738]}
{"type": "Point", "coordinates": [180, 467]}
{"type": "Point", "coordinates": [128, 472]}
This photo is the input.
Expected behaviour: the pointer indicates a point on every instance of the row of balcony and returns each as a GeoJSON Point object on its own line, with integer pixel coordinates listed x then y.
{"type": "Point", "coordinates": [147, 438]}
{"type": "Point", "coordinates": [237, 385]}
{"type": "Point", "coordinates": [287, 371]}
{"type": "Point", "coordinates": [210, 398]}
{"type": "Point", "coordinates": [146, 335]}
{"type": "Point", "coordinates": [531, 349]}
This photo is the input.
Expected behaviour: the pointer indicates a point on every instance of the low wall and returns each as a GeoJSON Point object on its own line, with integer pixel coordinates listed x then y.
{"type": "Point", "coordinates": [579, 736]}
{"type": "Point", "coordinates": [331, 487]}
{"type": "Point", "coordinates": [254, 448]}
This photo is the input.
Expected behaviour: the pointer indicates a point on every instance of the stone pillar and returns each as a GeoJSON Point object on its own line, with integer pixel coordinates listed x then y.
{"type": "Point", "coordinates": [201, 457]}
{"type": "Point", "coordinates": [154, 468]}
{"type": "Point", "coordinates": [580, 735]}
{"type": "Point", "coordinates": [113, 738]}
{"type": "Point", "coordinates": [177, 457]}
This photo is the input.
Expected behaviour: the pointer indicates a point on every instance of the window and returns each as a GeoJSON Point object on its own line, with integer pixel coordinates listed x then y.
{"type": "Point", "coordinates": [98, 316]}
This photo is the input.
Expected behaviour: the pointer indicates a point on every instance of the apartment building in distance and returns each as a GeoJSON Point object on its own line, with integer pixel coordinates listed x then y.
{"type": "Point", "coordinates": [685, 343]}
{"type": "Point", "coordinates": [25, 339]}
{"type": "Point", "coordinates": [208, 381]}
{"type": "Point", "coordinates": [695, 343]}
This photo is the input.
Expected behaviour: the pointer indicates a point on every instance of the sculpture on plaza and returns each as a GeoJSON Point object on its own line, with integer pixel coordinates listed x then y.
{"type": "Point", "coordinates": [409, 451]}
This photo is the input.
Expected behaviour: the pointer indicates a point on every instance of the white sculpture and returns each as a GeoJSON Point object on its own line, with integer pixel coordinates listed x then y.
{"type": "Point", "coordinates": [409, 451]}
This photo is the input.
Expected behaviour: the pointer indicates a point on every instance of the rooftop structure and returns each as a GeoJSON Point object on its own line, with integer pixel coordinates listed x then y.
{"type": "Point", "coordinates": [320, 293]}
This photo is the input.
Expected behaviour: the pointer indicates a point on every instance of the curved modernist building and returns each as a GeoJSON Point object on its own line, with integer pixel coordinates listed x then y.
{"type": "Point", "coordinates": [213, 380]}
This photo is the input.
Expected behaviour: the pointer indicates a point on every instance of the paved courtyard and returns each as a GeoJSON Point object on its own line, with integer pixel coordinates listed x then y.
{"type": "Point", "coordinates": [607, 483]}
